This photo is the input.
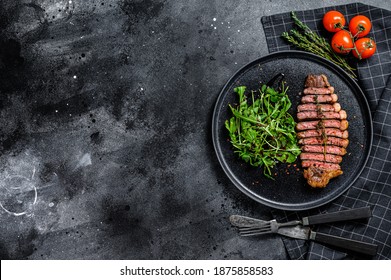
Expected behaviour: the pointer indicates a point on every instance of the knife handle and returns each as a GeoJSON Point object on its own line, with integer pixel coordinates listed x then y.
{"type": "Point", "coordinates": [344, 243]}
{"type": "Point", "coordinates": [345, 215]}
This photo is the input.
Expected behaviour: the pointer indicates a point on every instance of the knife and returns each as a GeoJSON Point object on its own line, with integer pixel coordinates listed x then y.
{"type": "Point", "coordinates": [305, 233]}
{"type": "Point", "coordinates": [339, 216]}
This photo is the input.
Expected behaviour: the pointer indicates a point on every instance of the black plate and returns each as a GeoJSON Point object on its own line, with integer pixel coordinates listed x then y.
{"type": "Point", "coordinates": [289, 190]}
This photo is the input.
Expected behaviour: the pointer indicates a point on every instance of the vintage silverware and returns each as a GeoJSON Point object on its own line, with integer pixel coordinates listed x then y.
{"type": "Point", "coordinates": [339, 216]}
{"type": "Point", "coordinates": [300, 229]}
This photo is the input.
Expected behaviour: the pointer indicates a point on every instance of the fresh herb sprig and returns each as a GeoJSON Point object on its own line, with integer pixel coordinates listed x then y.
{"type": "Point", "coordinates": [262, 131]}
{"type": "Point", "coordinates": [308, 40]}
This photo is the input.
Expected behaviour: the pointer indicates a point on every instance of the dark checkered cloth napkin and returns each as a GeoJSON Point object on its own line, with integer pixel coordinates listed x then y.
{"type": "Point", "coordinates": [373, 188]}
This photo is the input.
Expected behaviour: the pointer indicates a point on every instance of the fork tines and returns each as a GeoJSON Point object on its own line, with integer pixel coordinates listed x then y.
{"type": "Point", "coordinates": [248, 231]}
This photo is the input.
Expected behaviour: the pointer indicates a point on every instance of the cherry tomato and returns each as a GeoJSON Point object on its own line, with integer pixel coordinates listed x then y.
{"type": "Point", "coordinates": [333, 21]}
{"type": "Point", "coordinates": [366, 47]}
{"type": "Point", "coordinates": [360, 26]}
{"type": "Point", "coordinates": [342, 42]}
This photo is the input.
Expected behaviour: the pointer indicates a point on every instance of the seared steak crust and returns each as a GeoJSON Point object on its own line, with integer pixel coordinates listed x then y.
{"type": "Point", "coordinates": [319, 177]}
{"type": "Point", "coordinates": [318, 81]}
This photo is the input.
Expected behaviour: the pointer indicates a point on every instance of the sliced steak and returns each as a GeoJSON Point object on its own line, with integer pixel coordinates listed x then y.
{"type": "Point", "coordinates": [306, 125]}
{"type": "Point", "coordinates": [315, 90]}
{"type": "Point", "coordinates": [324, 133]}
{"type": "Point", "coordinates": [324, 149]}
{"type": "Point", "coordinates": [330, 98]}
{"type": "Point", "coordinates": [321, 157]}
{"type": "Point", "coordinates": [336, 107]}
{"type": "Point", "coordinates": [320, 164]}
{"type": "Point", "coordinates": [335, 141]}
{"type": "Point", "coordinates": [311, 115]}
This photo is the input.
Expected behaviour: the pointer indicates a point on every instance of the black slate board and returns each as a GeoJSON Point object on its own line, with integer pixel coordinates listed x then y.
{"type": "Point", "coordinates": [289, 190]}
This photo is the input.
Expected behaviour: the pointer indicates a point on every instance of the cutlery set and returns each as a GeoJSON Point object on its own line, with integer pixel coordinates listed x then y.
{"type": "Point", "coordinates": [300, 229]}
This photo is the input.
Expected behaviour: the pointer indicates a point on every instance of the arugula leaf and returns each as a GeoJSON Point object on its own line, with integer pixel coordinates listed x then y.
{"type": "Point", "coordinates": [262, 131]}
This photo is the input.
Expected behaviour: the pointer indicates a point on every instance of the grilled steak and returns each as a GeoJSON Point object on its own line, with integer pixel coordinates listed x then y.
{"type": "Point", "coordinates": [312, 98]}
{"type": "Point", "coordinates": [321, 157]}
{"type": "Point", "coordinates": [319, 177]}
{"type": "Point", "coordinates": [315, 90]}
{"type": "Point", "coordinates": [306, 125]}
{"type": "Point", "coordinates": [320, 164]}
{"type": "Point", "coordinates": [336, 107]}
{"type": "Point", "coordinates": [335, 141]}
{"type": "Point", "coordinates": [335, 150]}
{"type": "Point", "coordinates": [322, 131]}
{"type": "Point", "coordinates": [311, 115]}
{"type": "Point", "coordinates": [318, 81]}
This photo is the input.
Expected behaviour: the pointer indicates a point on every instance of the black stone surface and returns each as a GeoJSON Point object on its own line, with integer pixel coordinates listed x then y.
{"type": "Point", "coordinates": [105, 137]}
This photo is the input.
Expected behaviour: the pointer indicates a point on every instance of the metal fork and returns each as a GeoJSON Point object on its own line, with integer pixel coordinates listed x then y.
{"type": "Point", "coordinates": [250, 226]}
{"type": "Point", "coordinates": [271, 226]}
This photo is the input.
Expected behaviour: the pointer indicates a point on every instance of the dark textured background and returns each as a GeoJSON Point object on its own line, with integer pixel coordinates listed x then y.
{"type": "Point", "coordinates": [106, 111]}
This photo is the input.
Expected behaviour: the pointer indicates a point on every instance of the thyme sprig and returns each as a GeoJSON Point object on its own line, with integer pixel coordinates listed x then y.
{"type": "Point", "coordinates": [306, 39]}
